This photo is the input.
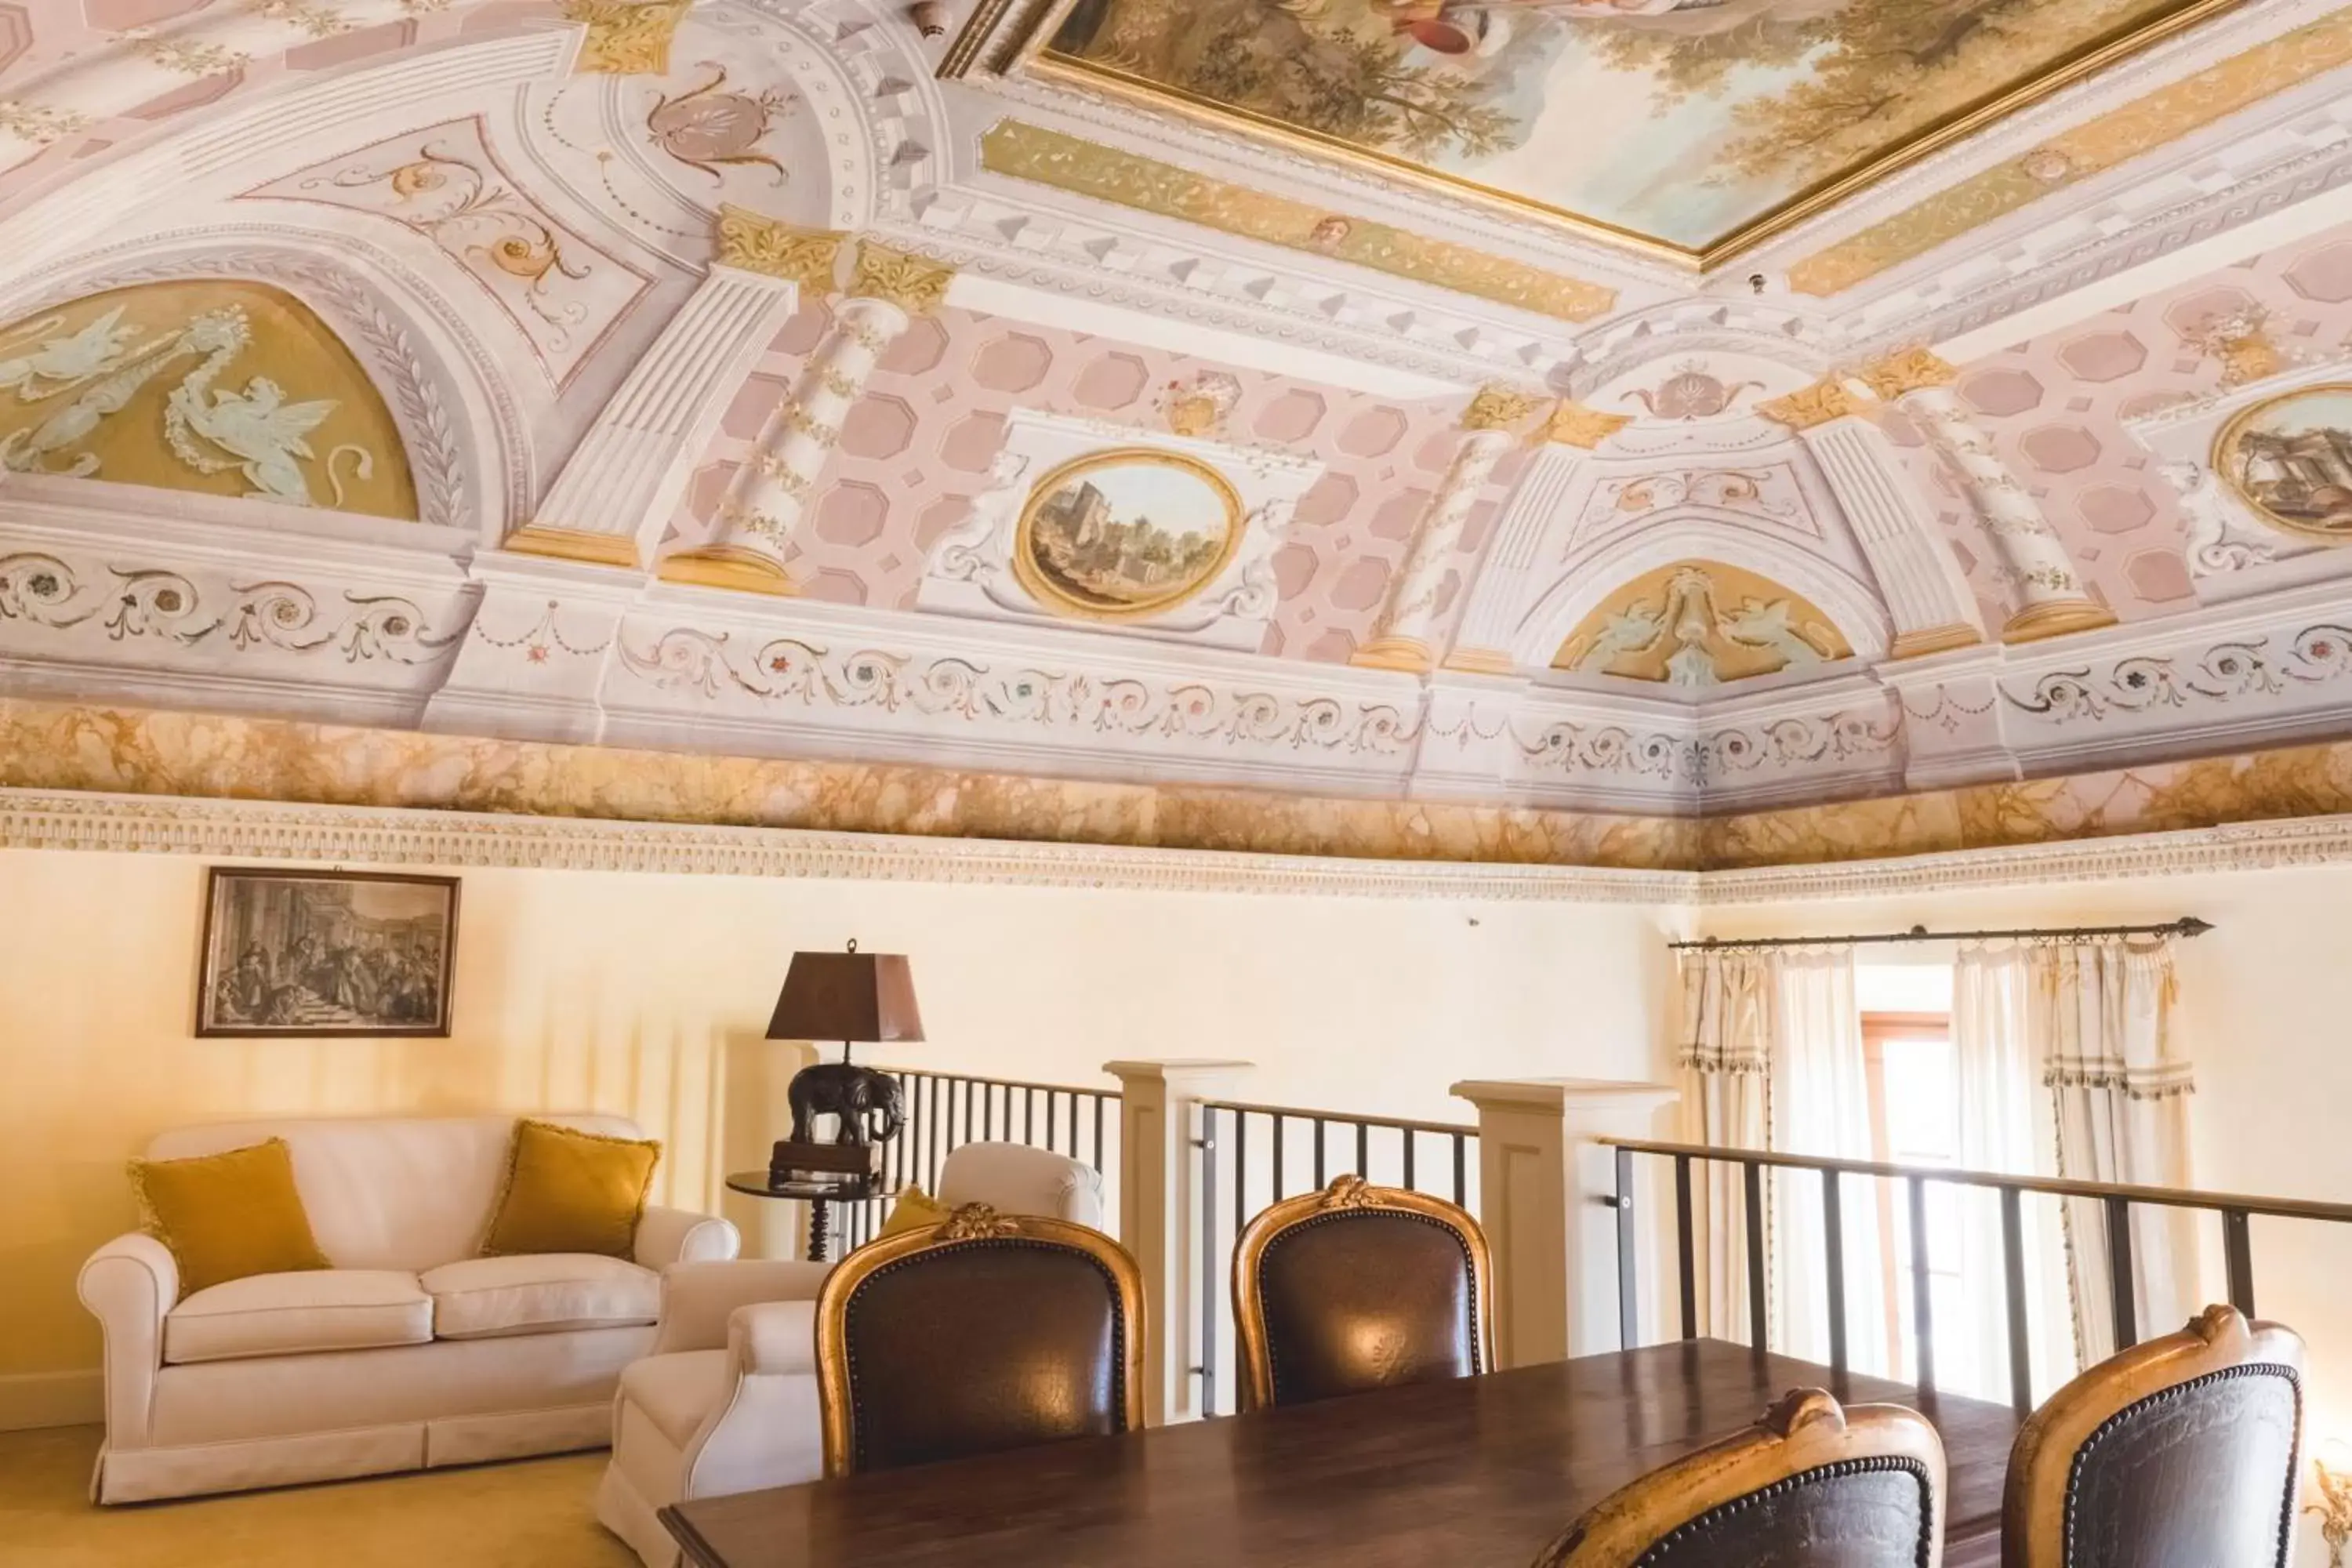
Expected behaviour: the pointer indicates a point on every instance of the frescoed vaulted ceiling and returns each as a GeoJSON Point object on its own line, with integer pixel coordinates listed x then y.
{"type": "Point", "coordinates": [1661, 407]}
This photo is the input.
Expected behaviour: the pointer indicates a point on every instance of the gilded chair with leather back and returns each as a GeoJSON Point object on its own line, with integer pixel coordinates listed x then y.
{"type": "Point", "coordinates": [2178, 1453]}
{"type": "Point", "coordinates": [987, 1331]}
{"type": "Point", "coordinates": [1355, 1287]}
{"type": "Point", "coordinates": [1810, 1486]}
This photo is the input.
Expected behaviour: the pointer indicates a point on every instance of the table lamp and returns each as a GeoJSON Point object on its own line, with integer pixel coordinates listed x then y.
{"type": "Point", "coordinates": [858, 998]}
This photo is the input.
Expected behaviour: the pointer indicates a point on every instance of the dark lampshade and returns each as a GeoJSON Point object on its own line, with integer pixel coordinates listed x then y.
{"type": "Point", "coordinates": [854, 998]}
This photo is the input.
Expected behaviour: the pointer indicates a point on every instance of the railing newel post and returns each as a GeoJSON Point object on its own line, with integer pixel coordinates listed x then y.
{"type": "Point", "coordinates": [1685, 1253]}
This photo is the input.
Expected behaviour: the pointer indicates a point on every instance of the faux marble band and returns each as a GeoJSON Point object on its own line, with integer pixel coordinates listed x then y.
{"type": "Point", "coordinates": [631, 797]}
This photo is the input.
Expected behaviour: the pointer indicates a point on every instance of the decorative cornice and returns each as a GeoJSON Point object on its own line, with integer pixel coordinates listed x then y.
{"type": "Point", "coordinates": [1572, 424]}
{"type": "Point", "coordinates": [805, 257]}
{"type": "Point", "coordinates": [915, 284]}
{"type": "Point", "coordinates": [269, 830]}
{"type": "Point", "coordinates": [2164, 115]}
{"type": "Point", "coordinates": [2238, 847]}
{"type": "Point", "coordinates": [627, 38]}
{"type": "Point", "coordinates": [1065, 162]}
{"type": "Point", "coordinates": [1912, 370]}
{"type": "Point", "coordinates": [1499, 407]}
{"type": "Point", "coordinates": [42, 819]}
{"type": "Point", "coordinates": [1825, 400]}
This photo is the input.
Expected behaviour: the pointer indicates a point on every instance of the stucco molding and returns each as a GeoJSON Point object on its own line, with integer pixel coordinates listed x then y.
{"type": "Point", "coordinates": [43, 819]}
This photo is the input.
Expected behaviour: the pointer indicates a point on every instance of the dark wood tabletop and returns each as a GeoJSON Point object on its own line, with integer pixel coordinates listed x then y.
{"type": "Point", "coordinates": [1477, 1473]}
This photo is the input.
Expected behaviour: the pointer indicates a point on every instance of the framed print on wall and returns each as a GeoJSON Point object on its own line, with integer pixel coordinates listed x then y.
{"type": "Point", "coordinates": [326, 952]}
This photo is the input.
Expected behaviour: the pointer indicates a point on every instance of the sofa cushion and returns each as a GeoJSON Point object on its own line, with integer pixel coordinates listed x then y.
{"type": "Point", "coordinates": [292, 1314]}
{"type": "Point", "coordinates": [677, 1390]}
{"type": "Point", "coordinates": [227, 1216]}
{"type": "Point", "coordinates": [539, 1293]}
{"type": "Point", "coordinates": [387, 1192]}
{"type": "Point", "coordinates": [569, 1191]}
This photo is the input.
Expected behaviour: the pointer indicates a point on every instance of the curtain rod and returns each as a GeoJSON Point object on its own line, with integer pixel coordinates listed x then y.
{"type": "Point", "coordinates": [2186, 925]}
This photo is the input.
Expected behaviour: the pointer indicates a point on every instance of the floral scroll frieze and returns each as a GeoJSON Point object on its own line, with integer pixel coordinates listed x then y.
{"type": "Point", "coordinates": [1572, 749]}
{"type": "Point", "coordinates": [788, 671]}
{"type": "Point", "coordinates": [2228, 671]}
{"type": "Point", "coordinates": [38, 589]}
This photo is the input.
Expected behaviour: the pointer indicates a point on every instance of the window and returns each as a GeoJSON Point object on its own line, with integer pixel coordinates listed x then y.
{"type": "Point", "coordinates": [1914, 1086]}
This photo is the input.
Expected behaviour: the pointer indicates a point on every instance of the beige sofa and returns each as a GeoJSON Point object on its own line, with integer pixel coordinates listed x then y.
{"type": "Point", "coordinates": [411, 1353]}
{"type": "Point", "coordinates": [726, 1401]}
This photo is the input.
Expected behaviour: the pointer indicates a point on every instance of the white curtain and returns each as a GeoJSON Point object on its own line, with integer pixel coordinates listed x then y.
{"type": "Point", "coordinates": [1820, 1105]}
{"type": "Point", "coordinates": [1723, 1065]}
{"type": "Point", "coordinates": [2118, 1071]}
{"type": "Point", "coordinates": [2005, 1125]}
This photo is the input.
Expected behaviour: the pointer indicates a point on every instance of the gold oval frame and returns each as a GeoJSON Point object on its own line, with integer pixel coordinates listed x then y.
{"type": "Point", "coordinates": [1045, 591]}
{"type": "Point", "coordinates": [2224, 453]}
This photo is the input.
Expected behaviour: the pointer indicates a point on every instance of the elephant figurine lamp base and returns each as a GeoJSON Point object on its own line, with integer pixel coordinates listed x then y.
{"type": "Point", "coordinates": [851, 1161]}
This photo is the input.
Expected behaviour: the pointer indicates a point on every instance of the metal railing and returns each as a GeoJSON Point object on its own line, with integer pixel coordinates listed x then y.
{"type": "Point", "coordinates": [2237, 1212]}
{"type": "Point", "coordinates": [947, 1110]}
{"type": "Point", "coordinates": [1298, 1151]}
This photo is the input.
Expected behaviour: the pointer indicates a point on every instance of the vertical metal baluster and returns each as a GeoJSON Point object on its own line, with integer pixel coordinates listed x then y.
{"type": "Point", "coordinates": [2012, 1258]}
{"type": "Point", "coordinates": [1241, 1174]}
{"type": "Point", "coordinates": [1409, 1139]}
{"type": "Point", "coordinates": [1833, 1244]}
{"type": "Point", "coordinates": [2238, 1254]}
{"type": "Point", "coordinates": [2124, 1295]}
{"type": "Point", "coordinates": [1686, 1250]}
{"type": "Point", "coordinates": [1029, 1116]}
{"type": "Point", "coordinates": [1364, 1149]}
{"type": "Point", "coordinates": [1758, 1320]}
{"type": "Point", "coordinates": [1461, 1171]}
{"type": "Point", "coordinates": [1209, 1281]}
{"type": "Point", "coordinates": [1319, 1180]}
{"type": "Point", "coordinates": [932, 1138]}
{"type": "Point", "coordinates": [1628, 1300]}
{"type": "Point", "coordinates": [1100, 1101]}
{"type": "Point", "coordinates": [1923, 1299]}
{"type": "Point", "coordinates": [1274, 1164]}
{"type": "Point", "coordinates": [1053, 1106]}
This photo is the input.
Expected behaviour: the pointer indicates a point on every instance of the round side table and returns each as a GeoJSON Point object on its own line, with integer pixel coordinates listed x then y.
{"type": "Point", "coordinates": [819, 1194]}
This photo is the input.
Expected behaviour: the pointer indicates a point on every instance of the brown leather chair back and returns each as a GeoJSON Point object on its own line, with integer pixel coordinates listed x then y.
{"type": "Point", "coordinates": [984, 1333]}
{"type": "Point", "coordinates": [1357, 1288]}
{"type": "Point", "coordinates": [2178, 1453]}
{"type": "Point", "coordinates": [1810, 1486]}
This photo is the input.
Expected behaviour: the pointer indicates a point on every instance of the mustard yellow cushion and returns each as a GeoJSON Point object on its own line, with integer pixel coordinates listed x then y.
{"type": "Point", "coordinates": [226, 1216]}
{"type": "Point", "coordinates": [915, 1210]}
{"type": "Point", "coordinates": [568, 1191]}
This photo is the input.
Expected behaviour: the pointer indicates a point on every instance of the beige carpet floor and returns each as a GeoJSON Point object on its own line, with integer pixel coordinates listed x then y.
{"type": "Point", "coordinates": [531, 1513]}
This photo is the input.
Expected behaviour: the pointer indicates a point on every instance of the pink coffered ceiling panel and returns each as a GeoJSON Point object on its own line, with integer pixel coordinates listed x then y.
{"type": "Point", "coordinates": [2056, 407]}
{"type": "Point", "coordinates": [917, 448]}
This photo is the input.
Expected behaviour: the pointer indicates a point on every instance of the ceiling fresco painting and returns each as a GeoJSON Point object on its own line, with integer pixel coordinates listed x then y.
{"type": "Point", "coordinates": [1128, 402]}
{"type": "Point", "coordinates": [1687, 124]}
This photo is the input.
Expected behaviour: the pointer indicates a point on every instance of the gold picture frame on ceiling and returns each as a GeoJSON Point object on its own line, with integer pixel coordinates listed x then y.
{"type": "Point", "coordinates": [1009, 38]}
{"type": "Point", "coordinates": [2305, 485]}
{"type": "Point", "coordinates": [1075, 552]}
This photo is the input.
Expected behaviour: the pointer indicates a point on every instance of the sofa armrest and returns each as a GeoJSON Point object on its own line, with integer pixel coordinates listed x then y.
{"type": "Point", "coordinates": [667, 1236]}
{"type": "Point", "coordinates": [698, 1297]}
{"type": "Point", "coordinates": [130, 1285]}
{"type": "Point", "coordinates": [772, 1337]}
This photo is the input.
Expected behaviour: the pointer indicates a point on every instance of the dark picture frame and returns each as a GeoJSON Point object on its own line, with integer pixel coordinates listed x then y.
{"type": "Point", "coordinates": [311, 954]}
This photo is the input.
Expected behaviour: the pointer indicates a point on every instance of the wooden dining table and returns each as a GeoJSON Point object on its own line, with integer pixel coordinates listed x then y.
{"type": "Point", "coordinates": [1480, 1472]}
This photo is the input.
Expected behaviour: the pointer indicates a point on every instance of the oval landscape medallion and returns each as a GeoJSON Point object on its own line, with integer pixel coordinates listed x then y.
{"type": "Point", "coordinates": [1128, 532]}
{"type": "Point", "coordinates": [2290, 459]}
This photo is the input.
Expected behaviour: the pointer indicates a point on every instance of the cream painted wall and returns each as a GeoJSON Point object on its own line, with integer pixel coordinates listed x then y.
{"type": "Point", "coordinates": [2267, 1003]}
{"type": "Point", "coordinates": [647, 994]}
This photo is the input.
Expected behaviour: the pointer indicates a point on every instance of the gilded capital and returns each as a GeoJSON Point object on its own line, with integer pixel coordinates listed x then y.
{"type": "Point", "coordinates": [1498, 408]}
{"type": "Point", "coordinates": [1572, 424]}
{"type": "Point", "coordinates": [915, 284]}
{"type": "Point", "coordinates": [1909, 371]}
{"type": "Point", "coordinates": [627, 38]}
{"type": "Point", "coordinates": [762, 245]}
{"type": "Point", "coordinates": [1809, 405]}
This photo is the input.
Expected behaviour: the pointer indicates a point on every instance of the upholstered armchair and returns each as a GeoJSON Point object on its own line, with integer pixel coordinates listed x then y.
{"type": "Point", "coordinates": [726, 1401]}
